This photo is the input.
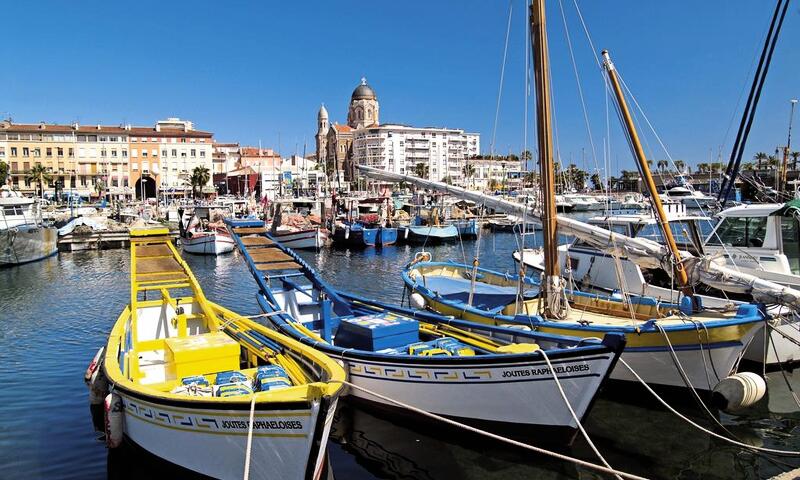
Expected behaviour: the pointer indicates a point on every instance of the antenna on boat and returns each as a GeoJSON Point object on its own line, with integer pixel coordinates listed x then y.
{"type": "Point", "coordinates": [644, 168]}
{"type": "Point", "coordinates": [552, 286]}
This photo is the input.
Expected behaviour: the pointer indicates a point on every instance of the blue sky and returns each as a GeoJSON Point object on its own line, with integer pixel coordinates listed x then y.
{"type": "Point", "coordinates": [251, 71]}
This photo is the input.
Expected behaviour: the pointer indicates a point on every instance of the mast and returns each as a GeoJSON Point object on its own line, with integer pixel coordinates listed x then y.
{"type": "Point", "coordinates": [638, 152]}
{"type": "Point", "coordinates": [551, 285]}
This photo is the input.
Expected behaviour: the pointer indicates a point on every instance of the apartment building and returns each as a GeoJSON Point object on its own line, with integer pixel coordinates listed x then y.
{"type": "Point", "coordinates": [120, 160]}
{"type": "Point", "coordinates": [441, 152]}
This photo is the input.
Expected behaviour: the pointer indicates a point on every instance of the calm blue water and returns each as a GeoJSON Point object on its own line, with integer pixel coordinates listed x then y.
{"type": "Point", "coordinates": [54, 314]}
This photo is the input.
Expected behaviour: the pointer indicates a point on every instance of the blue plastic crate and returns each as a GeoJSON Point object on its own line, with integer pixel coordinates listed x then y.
{"type": "Point", "coordinates": [377, 332]}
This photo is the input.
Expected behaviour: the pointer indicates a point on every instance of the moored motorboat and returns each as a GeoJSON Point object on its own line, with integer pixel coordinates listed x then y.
{"type": "Point", "coordinates": [445, 366]}
{"type": "Point", "coordinates": [186, 376]}
{"type": "Point", "coordinates": [301, 239]}
{"type": "Point", "coordinates": [23, 236]}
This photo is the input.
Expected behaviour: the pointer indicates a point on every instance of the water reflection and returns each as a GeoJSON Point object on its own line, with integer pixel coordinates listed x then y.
{"type": "Point", "coordinates": [55, 313]}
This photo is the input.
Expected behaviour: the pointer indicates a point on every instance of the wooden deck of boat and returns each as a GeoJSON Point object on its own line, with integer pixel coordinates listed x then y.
{"type": "Point", "coordinates": [263, 251]}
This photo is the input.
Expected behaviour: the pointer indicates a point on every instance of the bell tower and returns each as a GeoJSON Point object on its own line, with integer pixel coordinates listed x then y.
{"type": "Point", "coordinates": [322, 135]}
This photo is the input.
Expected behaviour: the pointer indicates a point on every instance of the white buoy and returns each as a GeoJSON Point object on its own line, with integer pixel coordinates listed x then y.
{"type": "Point", "coordinates": [417, 301]}
{"type": "Point", "coordinates": [405, 234]}
{"type": "Point", "coordinates": [739, 391]}
{"type": "Point", "coordinates": [113, 413]}
{"type": "Point", "coordinates": [346, 232]}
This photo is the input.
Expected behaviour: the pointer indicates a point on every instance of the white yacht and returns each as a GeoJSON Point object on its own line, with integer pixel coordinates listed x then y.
{"type": "Point", "coordinates": [687, 195]}
{"type": "Point", "coordinates": [761, 240]}
{"type": "Point", "coordinates": [23, 237]}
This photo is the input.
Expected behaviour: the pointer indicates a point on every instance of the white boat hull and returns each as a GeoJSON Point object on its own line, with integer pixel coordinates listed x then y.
{"type": "Point", "coordinates": [208, 244]}
{"type": "Point", "coordinates": [313, 239]}
{"type": "Point", "coordinates": [281, 442]}
{"type": "Point", "coordinates": [521, 394]}
{"type": "Point", "coordinates": [27, 243]}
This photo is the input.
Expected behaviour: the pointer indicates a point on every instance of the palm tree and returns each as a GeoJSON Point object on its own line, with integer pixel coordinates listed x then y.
{"type": "Point", "coordinates": [748, 166]}
{"type": "Point", "coordinates": [421, 170]}
{"type": "Point", "coordinates": [469, 171]}
{"type": "Point", "coordinates": [702, 167]}
{"type": "Point", "coordinates": [4, 172]}
{"type": "Point", "coordinates": [772, 161]}
{"type": "Point", "coordinates": [662, 166]}
{"type": "Point", "coordinates": [679, 164]}
{"type": "Point", "coordinates": [200, 177]}
{"type": "Point", "coordinates": [531, 177]}
{"type": "Point", "coordinates": [40, 175]}
{"type": "Point", "coordinates": [794, 156]}
{"type": "Point", "coordinates": [447, 179]}
{"type": "Point", "coordinates": [596, 181]}
{"type": "Point", "coordinates": [759, 157]}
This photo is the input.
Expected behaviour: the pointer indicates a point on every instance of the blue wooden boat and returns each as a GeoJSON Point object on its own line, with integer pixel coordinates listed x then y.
{"type": "Point", "coordinates": [429, 234]}
{"type": "Point", "coordinates": [360, 235]}
{"type": "Point", "coordinates": [489, 376]}
{"type": "Point", "coordinates": [467, 228]}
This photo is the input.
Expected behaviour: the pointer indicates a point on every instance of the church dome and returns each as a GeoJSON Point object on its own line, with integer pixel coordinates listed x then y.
{"type": "Point", "coordinates": [363, 91]}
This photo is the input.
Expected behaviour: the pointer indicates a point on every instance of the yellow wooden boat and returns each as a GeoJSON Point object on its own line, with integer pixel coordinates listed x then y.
{"type": "Point", "coordinates": [207, 389]}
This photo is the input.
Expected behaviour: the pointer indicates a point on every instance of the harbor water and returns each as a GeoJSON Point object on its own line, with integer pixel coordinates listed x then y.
{"type": "Point", "coordinates": [54, 314]}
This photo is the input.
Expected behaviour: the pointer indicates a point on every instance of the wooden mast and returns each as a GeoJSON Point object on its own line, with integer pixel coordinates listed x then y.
{"type": "Point", "coordinates": [551, 285]}
{"type": "Point", "coordinates": [638, 151]}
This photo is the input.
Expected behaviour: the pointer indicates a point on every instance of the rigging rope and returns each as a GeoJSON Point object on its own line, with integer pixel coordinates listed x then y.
{"type": "Point", "coordinates": [502, 76]}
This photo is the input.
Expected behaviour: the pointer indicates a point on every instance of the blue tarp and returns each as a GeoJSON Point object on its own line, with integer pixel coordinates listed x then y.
{"type": "Point", "coordinates": [485, 296]}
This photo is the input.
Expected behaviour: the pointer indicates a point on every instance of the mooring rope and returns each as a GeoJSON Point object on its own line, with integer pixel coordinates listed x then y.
{"type": "Point", "coordinates": [493, 436]}
{"type": "Point", "coordinates": [772, 451]}
{"type": "Point", "coordinates": [248, 450]}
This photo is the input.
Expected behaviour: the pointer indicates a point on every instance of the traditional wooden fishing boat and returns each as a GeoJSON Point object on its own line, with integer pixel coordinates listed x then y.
{"type": "Point", "coordinates": [706, 344]}
{"type": "Point", "coordinates": [207, 389]}
{"type": "Point", "coordinates": [434, 363]}
{"type": "Point", "coordinates": [200, 234]}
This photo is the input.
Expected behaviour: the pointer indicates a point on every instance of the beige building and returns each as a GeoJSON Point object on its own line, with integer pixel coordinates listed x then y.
{"type": "Point", "coordinates": [92, 159]}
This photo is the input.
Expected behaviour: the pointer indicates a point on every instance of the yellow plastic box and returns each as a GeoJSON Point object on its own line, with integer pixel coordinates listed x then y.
{"type": "Point", "coordinates": [201, 354]}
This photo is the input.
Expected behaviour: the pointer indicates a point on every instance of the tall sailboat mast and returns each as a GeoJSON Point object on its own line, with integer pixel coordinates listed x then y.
{"type": "Point", "coordinates": [551, 285]}
{"type": "Point", "coordinates": [644, 168]}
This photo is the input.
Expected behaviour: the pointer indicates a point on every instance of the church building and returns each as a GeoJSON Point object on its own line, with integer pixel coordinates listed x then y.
{"type": "Point", "coordinates": [335, 142]}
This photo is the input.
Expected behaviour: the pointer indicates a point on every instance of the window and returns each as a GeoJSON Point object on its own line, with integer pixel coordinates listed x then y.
{"type": "Point", "coordinates": [194, 153]}
{"type": "Point", "coordinates": [26, 152]}
{"type": "Point", "coordinates": [163, 153]}
{"type": "Point", "coordinates": [113, 154]}
{"type": "Point", "coordinates": [154, 152]}
{"type": "Point", "coordinates": [740, 232]}
{"type": "Point", "coordinates": [134, 152]}
{"type": "Point", "coordinates": [144, 152]}
{"type": "Point", "coordinates": [103, 153]}
{"type": "Point", "coordinates": [14, 166]}
{"type": "Point", "coordinates": [114, 182]}
{"type": "Point", "coordinates": [49, 152]}
{"type": "Point", "coordinates": [124, 153]}
{"type": "Point", "coordinates": [125, 181]}
{"type": "Point", "coordinates": [71, 152]}
{"type": "Point", "coordinates": [202, 154]}
{"type": "Point", "coordinates": [183, 154]}
{"type": "Point", "coordinates": [2, 152]}
{"type": "Point", "coordinates": [183, 140]}
{"type": "Point", "coordinates": [174, 153]}
{"type": "Point", "coordinates": [13, 151]}
{"type": "Point", "coordinates": [26, 166]}
{"type": "Point", "coordinates": [135, 167]}
{"type": "Point", "coordinates": [60, 151]}
{"type": "Point", "coordinates": [91, 138]}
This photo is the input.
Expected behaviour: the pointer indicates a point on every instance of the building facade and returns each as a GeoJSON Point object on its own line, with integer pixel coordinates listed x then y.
{"type": "Point", "coordinates": [436, 153]}
{"type": "Point", "coordinates": [98, 159]}
{"type": "Point", "coordinates": [335, 142]}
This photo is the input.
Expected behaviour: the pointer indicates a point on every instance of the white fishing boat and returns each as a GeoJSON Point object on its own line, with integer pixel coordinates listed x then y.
{"type": "Point", "coordinates": [759, 240]}
{"type": "Point", "coordinates": [495, 378]}
{"type": "Point", "coordinates": [204, 388]}
{"type": "Point", "coordinates": [23, 236]}
{"type": "Point", "coordinates": [203, 234]}
{"type": "Point", "coordinates": [301, 239]}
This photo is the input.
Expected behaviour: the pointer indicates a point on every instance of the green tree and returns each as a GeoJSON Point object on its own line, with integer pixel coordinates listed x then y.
{"type": "Point", "coordinates": [772, 161]}
{"type": "Point", "coordinates": [421, 170]}
{"type": "Point", "coordinates": [200, 177]}
{"type": "Point", "coordinates": [702, 167]}
{"type": "Point", "coordinates": [596, 182]}
{"type": "Point", "coordinates": [4, 172]}
{"type": "Point", "coordinates": [39, 175]}
{"type": "Point", "coordinates": [759, 158]}
{"type": "Point", "coordinates": [748, 166]}
{"type": "Point", "coordinates": [99, 187]}
{"type": "Point", "coordinates": [493, 184]}
{"type": "Point", "coordinates": [530, 178]}
{"type": "Point", "coordinates": [680, 164]}
{"type": "Point", "coordinates": [469, 171]}
{"type": "Point", "coordinates": [447, 179]}
{"type": "Point", "coordinates": [662, 166]}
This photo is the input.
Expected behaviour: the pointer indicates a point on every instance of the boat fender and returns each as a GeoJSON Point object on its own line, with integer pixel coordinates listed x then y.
{"type": "Point", "coordinates": [94, 366]}
{"type": "Point", "coordinates": [405, 234]}
{"type": "Point", "coordinates": [346, 233]}
{"type": "Point", "coordinates": [417, 301]}
{"type": "Point", "coordinates": [738, 391]}
{"type": "Point", "coordinates": [333, 228]}
{"type": "Point", "coordinates": [113, 416]}
{"type": "Point", "coordinates": [98, 388]}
